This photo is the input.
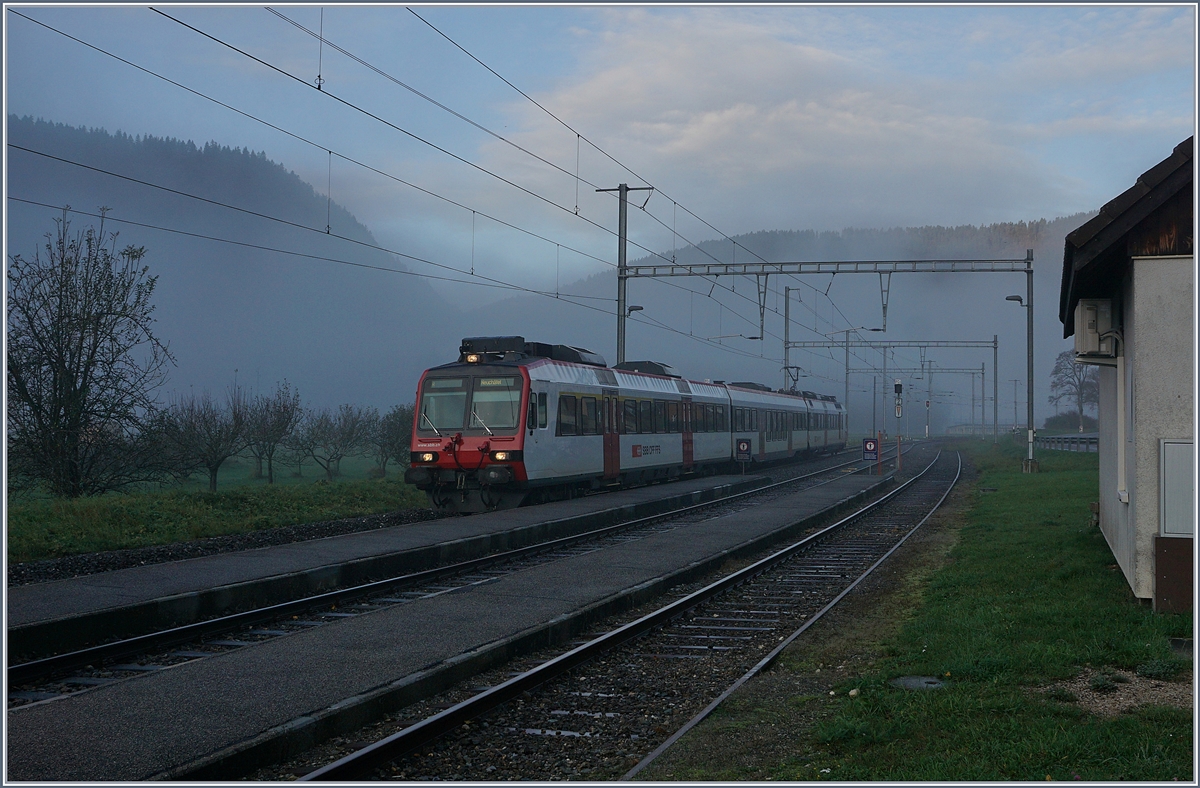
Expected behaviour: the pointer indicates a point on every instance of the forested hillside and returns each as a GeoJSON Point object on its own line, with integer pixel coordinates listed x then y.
{"type": "Point", "coordinates": [338, 332]}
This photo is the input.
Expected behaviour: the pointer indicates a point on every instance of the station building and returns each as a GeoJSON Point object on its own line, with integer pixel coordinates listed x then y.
{"type": "Point", "coordinates": [1127, 298]}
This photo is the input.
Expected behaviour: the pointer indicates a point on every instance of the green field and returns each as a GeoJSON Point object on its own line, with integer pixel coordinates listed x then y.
{"type": "Point", "coordinates": [1027, 596]}
{"type": "Point", "coordinates": [41, 527]}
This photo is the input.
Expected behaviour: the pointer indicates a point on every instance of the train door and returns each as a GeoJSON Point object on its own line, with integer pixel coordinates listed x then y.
{"type": "Point", "coordinates": [761, 415]}
{"type": "Point", "coordinates": [685, 427]}
{"type": "Point", "coordinates": [612, 437]}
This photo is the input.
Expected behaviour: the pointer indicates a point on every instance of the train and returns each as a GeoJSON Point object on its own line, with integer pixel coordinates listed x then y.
{"type": "Point", "coordinates": [514, 422]}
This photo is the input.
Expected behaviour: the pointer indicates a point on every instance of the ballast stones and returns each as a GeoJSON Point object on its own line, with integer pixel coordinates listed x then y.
{"type": "Point", "coordinates": [918, 682]}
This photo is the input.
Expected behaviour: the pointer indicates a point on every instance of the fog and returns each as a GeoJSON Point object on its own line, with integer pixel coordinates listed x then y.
{"type": "Point", "coordinates": [806, 133]}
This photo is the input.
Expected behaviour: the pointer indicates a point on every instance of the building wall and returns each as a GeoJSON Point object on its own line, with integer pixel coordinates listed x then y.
{"type": "Point", "coordinates": [1162, 375]}
{"type": "Point", "coordinates": [1158, 332]}
{"type": "Point", "coordinates": [1114, 515]}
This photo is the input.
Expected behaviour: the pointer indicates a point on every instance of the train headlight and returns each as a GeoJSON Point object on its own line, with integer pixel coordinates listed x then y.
{"type": "Point", "coordinates": [500, 456]}
{"type": "Point", "coordinates": [473, 358]}
{"type": "Point", "coordinates": [506, 455]}
{"type": "Point", "coordinates": [424, 456]}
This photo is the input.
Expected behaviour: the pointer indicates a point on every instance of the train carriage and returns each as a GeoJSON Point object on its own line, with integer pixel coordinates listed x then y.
{"type": "Point", "coordinates": [514, 421]}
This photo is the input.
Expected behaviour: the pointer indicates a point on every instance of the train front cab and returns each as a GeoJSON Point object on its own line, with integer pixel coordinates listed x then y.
{"type": "Point", "coordinates": [468, 441]}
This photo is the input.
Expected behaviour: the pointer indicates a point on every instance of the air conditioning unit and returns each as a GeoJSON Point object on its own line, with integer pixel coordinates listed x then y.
{"type": "Point", "coordinates": [1094, 318]}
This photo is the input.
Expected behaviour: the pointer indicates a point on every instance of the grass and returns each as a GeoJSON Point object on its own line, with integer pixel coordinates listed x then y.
{"type": "Point", "coordinates": [48, 528]}
{"type": "Point", "coordinates": [1028, 596]}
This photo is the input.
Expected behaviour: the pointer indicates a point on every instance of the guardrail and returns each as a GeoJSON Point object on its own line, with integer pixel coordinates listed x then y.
{"type": "Point", "coordinates": [1069, 442]}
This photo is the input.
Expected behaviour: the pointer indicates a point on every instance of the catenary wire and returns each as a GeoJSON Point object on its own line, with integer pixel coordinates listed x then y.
{"type": "Point", "coordinates": [605, 153]}
{"type": "Point", "coordinates": [384, 269]}
{"type": "Point", "coordinates": [369, 114]}
{"type": "Point", "coordinates": [406, 132]}
{"type": "Point", "coordinates": [350, 159]}
{"type": "Point", "coordinates": [579, 135]}
{"type": "Point", "coordinates": [499, 283]}
{"type": "Point", "coordinates": [307, 141]}
{"type": "Point", "coordinates": [373, 169]}
{"type": "Point", "coordinates": [278, 219]}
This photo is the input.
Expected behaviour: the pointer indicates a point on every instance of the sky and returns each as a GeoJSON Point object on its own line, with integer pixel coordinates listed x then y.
{"type": "Point", "coordinates": [742, 118]}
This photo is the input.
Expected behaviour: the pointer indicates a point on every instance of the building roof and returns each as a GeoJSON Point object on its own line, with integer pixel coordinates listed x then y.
{"type": "Point", "coordinates": [1097, 252]}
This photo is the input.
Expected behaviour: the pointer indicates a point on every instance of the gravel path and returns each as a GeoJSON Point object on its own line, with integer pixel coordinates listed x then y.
{"type": "Point", "coordinates": [92, 563]}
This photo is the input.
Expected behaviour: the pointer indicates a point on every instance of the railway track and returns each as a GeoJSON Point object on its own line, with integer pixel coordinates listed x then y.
{"type": "Point", "coordinates": [608, 707]}
{"type": "Point", "coordinates": [61, 675]}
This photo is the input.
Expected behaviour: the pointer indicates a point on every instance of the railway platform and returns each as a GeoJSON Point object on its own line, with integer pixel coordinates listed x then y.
{"type": "Point", "coordinates": [65, 615]}
{"type": "Point", "coordinates": [220, 717]}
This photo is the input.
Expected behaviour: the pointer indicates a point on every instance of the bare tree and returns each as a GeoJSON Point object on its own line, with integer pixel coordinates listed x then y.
{"type": "Point", "coordinates": [269, 422]}
{"type": "Point", "coordinates": [391, 435]}
{"type": "Point", "coordinates": [328, 436]}
{"type": "Point", "coordinates": [83, 365]}
{"type": "Point", "coordinates": [1078, 384]}
{"type": "Point", "coordinates": [204, 433]}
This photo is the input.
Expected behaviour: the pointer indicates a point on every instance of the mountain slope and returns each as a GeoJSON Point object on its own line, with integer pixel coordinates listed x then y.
{"type": "Point", "coordinates": [338, 332]}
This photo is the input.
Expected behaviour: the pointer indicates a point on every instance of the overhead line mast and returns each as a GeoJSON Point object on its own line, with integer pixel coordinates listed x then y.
{"type": "Point", "coordinates": [623, 191]}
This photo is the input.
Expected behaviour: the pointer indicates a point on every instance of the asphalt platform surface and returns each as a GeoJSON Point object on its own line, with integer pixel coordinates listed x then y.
{"type": "Point", "coordinates": [180, 721]}
{"type": "Point", "coordinates": [65, 615]}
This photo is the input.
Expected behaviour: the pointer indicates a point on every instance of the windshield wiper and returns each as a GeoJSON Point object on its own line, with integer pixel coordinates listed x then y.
{"type": "Point", "coordinates": [475, 416]}
{"type": "Point", "coordinates": [430, 423]}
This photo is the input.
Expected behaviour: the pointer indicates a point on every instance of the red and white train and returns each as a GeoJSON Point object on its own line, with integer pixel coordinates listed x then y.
{"type": "Point", "coordinates": [514, 421]}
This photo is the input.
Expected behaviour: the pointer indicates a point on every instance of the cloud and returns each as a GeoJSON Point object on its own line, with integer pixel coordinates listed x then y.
{"type": "Point", "coordinates": [781, 118]}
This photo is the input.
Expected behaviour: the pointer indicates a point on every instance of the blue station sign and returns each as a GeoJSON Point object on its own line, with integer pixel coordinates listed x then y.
{"type": "Point", "coordinates": [870, 449]}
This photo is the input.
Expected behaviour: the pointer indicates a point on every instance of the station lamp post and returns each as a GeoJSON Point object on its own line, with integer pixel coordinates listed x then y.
{"type": "Point", "coordinates": [1030, 464]}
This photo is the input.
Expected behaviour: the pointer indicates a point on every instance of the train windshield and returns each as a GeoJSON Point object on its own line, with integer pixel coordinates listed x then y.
{"type": "Point", "coordinates": [496, 403]}
{"type": "Point", "coordinates": [443, 405]}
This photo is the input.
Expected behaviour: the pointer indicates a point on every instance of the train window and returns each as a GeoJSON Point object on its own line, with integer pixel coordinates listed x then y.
{"type": "Point", "coordinates": [567, 420]}
{"type": "Point", "coordinates": [645, 416]}
{"type": "Point", "coordinates": [700, 422]}
{"type": "Point", "coordinates": [660, 416]}
{"type": "Point", "coordinates": [722, 421]}
{"type": "Point", "coordinates": [541, 410]}
{"type": "Point", "coordinates": [739, 419]}
{"type": "Point", "coordinates": [443, 405]}
{"type": "Point", "coordinates": [754, 418]}
{"type": "Point", "coordinates": [589, 423]}
{"type": "Point", "coordinates": [496, 403]}
{"type": "Point", "coordinates": [672, 417]}
{"type": "Point", "coordinates": [631, 417]}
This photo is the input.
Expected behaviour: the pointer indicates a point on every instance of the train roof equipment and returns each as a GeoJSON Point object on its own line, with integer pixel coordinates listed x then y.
{"type": "Point", "coordinates": [648, 368]}
{"type": "Point", "coordinates": [476, 350]}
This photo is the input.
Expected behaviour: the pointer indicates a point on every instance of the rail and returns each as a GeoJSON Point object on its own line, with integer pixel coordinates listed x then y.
{"type": "Point", "coordinates": [360, 763]}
